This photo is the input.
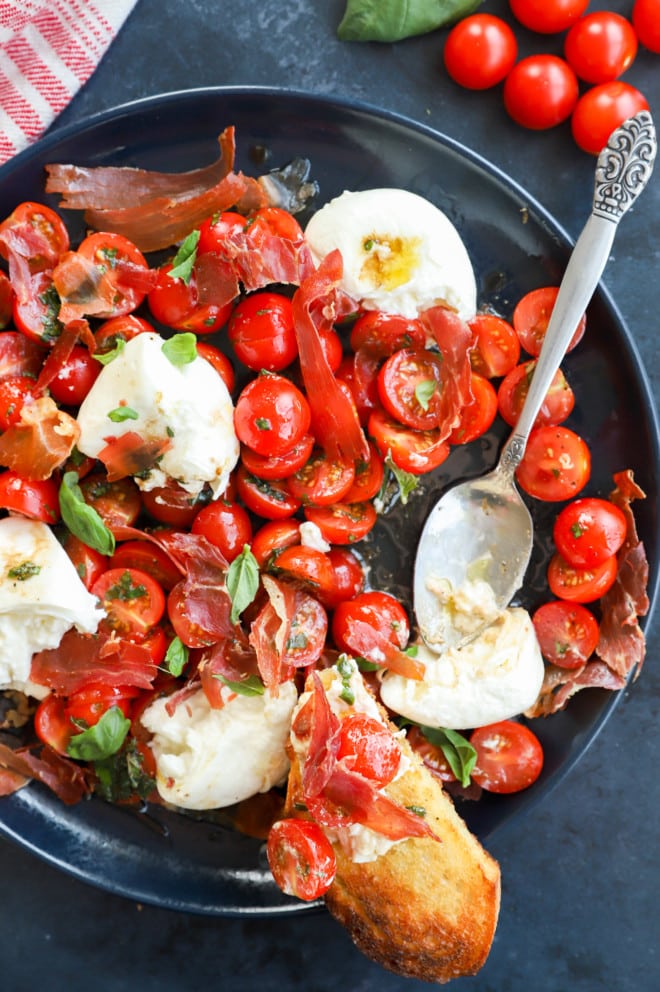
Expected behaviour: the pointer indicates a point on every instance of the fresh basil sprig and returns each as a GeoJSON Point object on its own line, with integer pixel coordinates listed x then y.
{"type": "Point", "coordinates": [184, 260]}
{"type": "Point", "coordinates": [460, 754]}
{"type": "Point", "coordinates": [82, 519]}
{"type": "Point", "coordinates": [242, 582]}
{"type": "Point", "coordinates": [101, 740]}
{"type": "Point", "coordinates": [176, 656]}
{"type": "Point", "coordinates": [181, 349]}
{"type": "Point", "coordinates": [392, 20]}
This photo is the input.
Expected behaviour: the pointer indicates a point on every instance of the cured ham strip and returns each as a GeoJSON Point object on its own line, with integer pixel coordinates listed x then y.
{"type": "Point", "coordinates": [40, 442]}
{"type": "Point", "coordinates": [560, 685]}
{"type": "Point", "coordinates": [276, 259]}
{"type": "Point", "coordinates": [216, 280]}
{"type": "Point", "coordinates": [84, 659]}
{"type": "Point", "coordinates": [366, 642]}
{"type": "Point", "coordinates": [454, 339]}
{"type": "Point", "coordinates": [87, 289]}
{"type": "Point", "coordinates": [323, 741]}
{"type": "Point", "coordinates": [22, 245]}
{"type": "Point", "coordinates": [74, 331]}
{"type": "Point", "coordinates": [68, 780]}
{"type": "Point", "coordinates": [269, 632]}
{"type": "Point", "coordinates": [130, 454]}
{"type": "Point", "coordinates": [336, 422]}
{"type": "Point", "coordinates": [233, 659]}
{"type": "Point", "coordinates": [203, 605]}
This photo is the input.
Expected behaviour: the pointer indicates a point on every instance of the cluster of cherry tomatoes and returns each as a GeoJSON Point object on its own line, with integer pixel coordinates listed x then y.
{"type": "Point", "coordinates": [543, 90]}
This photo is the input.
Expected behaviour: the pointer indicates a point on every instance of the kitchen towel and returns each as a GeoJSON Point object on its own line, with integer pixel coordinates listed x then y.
{"type": "Point", "coordinates": [48, 50]}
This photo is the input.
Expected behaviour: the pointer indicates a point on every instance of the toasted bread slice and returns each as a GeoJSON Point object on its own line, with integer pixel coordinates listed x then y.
{"type": "Point", "coordinates": [426, 908]}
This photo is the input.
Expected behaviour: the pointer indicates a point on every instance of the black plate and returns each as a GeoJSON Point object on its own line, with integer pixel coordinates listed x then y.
{"type": "Point", "coordinates": [181, 863]}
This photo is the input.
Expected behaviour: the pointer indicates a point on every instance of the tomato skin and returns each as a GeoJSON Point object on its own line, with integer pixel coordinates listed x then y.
{"type": "Point", "coordinates": [556, 466]}
{"type": "Point", "coordinates": [332, 347]}
{"type": "Point", "coordinates": [19, 355]}
{"type": "Point", "coordinates": [601, 110]}
{"type": "Point", "coordinates": [646, 22]}
{"type": "Point", "coordinates": [90, 564]}
{"type": "Point", "coordinates": [133, 600]}
{"type": "Point", "coordinates": [600, 46]}
{"type": "Point", "coordinates": [75, 377]}
{"type": "Point", "coordinates": [401, 377]}
{"type": "Point", "coordinates": [322, 481]}
{"type": "Point", "coordinates": [380, 610]}
{"type": "Point", "coordinates": [480, 51]}
{"type": "Point", "coordinates": [271, 415]}
{"type": "Point", "coordinates": [512, 393]}
{"type": "Point", "coordinates": [588, 531]}
{"type": "Point", "coordinates": [214, 230]}
{"type": "Point", "coordinates": [49, 226]}
{"type": "Point", "coordinates": [170, 505]}
{"type": "Point", "coordinates": [51, 724]}
{"type": "Point", "coordinates": [226, 525]}
{"type": "Point", "coordinates": [368, 479]}
{"type": "Point", "coordinates": [567, 633]}
{"type": "Point", "coordinates": [540, 92]}
{"type": "Point", "coordinates": [369, 748]}
{"type": "Point", "coordinates": [35, 499]}
{"type": "Point", "coordinates": [416, 452]}
{"type": "Point", "coordinates": [272, 537]}
{"type": "Point", "coordinates": [176, 304]}
{"type": "Point", "coordinates": [220, 363]}
{"type": "Point", "coordinates": [381, 334]}
{"type": "Point", "coordinates": [548, 16]}
{"type": "Point", "coordinates": [348, 577]}
{"type": "Point", "coordinates": [496, 346]}
{"type": "Point", "coordinates": [6, 300]}
{"type": "Point", "coordinates": [146, 557]}
{"type": "Point", "coordinates": [307, 565]}
{"type": "Point", "coordinates": [531, 317]}
{"type": "Point", "coordinates": [278, 467]}
{"type": "Point", "coordinates": [581, 585]}
{"type": "Point", "coordinates": [272, 222]}
{"type": "Point", "coordinates": [477, 417]}
{"type": "Point", "coordinates": [509, 757]}
{"type": "Point", "coordinates": [15, 391]}
{"type": "Point", "coordinates": [343, 523]}
{"type": "Point", "coordinates": [261, 331]}
{"type": "Point", "coordinates": [91, 702]}
{"type": "Point", "coordinates": [301, 858]}
{"type": "Point", "coordinates": [122, 328]}
{"type": "Point", "coordinates": [270, 500]}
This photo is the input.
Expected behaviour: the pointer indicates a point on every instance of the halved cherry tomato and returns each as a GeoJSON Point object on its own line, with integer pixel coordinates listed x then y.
{"type": "Point", "coordinates": [220, 363]}
{"type": "Point", "coordinates": [301, 859]}
{"type": "Point", "coordinates": [322, 481]}
{"type": "Point", "coordinates": [108, 252]}
{"type": "Point", "coordinates": [307, 565]}
{"type": "Point", "coordinates": [380, 610]}
{"type": "Point", "coordinates": [512, 393]}
{"type": "Point", "coordinates": [432, 756]}
{"type": "Point", "coordinates": [122, 328]}
{"type": "Point", "coordinates": [602, 109]}
{"type": "Point", "coordinates": [15, 392]}
{"type": "Point", "coordinates": [214, 230]}
{"type": "Point", "coordinates": [277, 467]}
{"type": "Point", "coordinates": [176, 304]}
{"type": "Point", "coordinates": [343, 523]}
{"type": "Point", "coordinates": [133, 601]}
{"type": "Point", "coordinates": [271, 415]}
{"type": "Point", "coordinates": [268, 222]}
{"type": "Point", "coordinates": [51, 724]}
{"type": "Point", "coordinates": [480, 51]}
{"type": "Point", "coordinates": [532, 316]}
{"type": "Point", "coordinates": [581, 585]}
{"type": "Point", "coordinates": [89, 563]}
{"type": "Point", "coordinates": [117, 503]}
{"type": "Point", "coordinates": [36, 315]}
{"type": "Point", "coordinates": [410, 387]}
{"type": "Point", "coordinates": [189, 632]}
{"type": "Point", "coordinates": [381, 334]}
{"type": "Point", "coordinates": [75, 377]}
{"type": "Point", "coordinates": [412, 451]}
{"type": "Point", "coordinates": [349, 577]}
{"type": "Point", "coordinates": [88, 704]}
{"type": "Point", "coordinates": [36, 499]}
{"type": "Point", "coordinates": [540, 91]}
{"type": "Point", "coordinates": [368, 479]}
{"type": "Point", "coordinates": [588, 531]}
{"type": "Point", "coordinates": [548, 16]}
{"type": "Point", "coordinates": [146, 557]}
{"type": "Point", "coordinates": [49, 233]}
{"type": "Point", "coordinates": [477, 417]}
{"type": "Point", "coordinates": [646, 22]}
{"type": "Point", "coordinates": [226, 525]}
{"type": "Point", "coordinates": [270, 500]}
{"type": "Point", "coordinates": [273, 537]}
{"type": "Point", "coordinates": [509, 757]}
{"type": "Point", "coordinates": [567, 633]}
{"type": "Point", "coordinates": [262, 333]}
{"type": "Point", "coordinates": [19, 355]}
{"type": "Point", "coordinates": [170, 504]}
{"type": "Point", "coordinates": [369, 748]}
{"type": "Point", "coordinates": [155, 641]}
{"type": "Point", "coordinates": [600, 46]}
{"type": "Point", "coordinates": [556, 466]}
{"type": "Point", "coordinates": [496, 346]}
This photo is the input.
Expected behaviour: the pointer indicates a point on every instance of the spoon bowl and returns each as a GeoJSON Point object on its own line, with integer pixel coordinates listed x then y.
{"type": "Point", "coordinates": [475, 546]}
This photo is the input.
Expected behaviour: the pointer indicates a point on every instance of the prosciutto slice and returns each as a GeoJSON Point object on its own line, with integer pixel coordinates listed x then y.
{"type": "Point", "coordinates": [454, 339]}
{"type": "Point", "coordinates": [85, 659]}
{"type": "Point", "coordinates": [40, 442]}
{"type": "Point", "coordinates": [68, 780]}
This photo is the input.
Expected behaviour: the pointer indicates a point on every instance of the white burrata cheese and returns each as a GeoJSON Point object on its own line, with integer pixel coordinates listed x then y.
{"type": "Point", "coordinates": [493, 677]}
{"type": "Point", "coordinates": [210, 758]}
{"type": "Point", "coordinates": [401, 254]}
{"type": "Point", "coordinates": [41, 597]}
{"type": "Point", "coordinates": [189, 405]}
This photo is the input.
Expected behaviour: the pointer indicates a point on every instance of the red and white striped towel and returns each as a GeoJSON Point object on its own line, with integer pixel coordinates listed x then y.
{"type": "Point", "coordinates": [48, 49]}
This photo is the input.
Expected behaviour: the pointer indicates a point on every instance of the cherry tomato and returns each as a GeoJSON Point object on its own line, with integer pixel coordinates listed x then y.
{"type": "Point", "coordinates": [88, 704]}
{"type": "Point", "coordinates": [108, 252]}
{"type": "Point", "coordinates": [35, 315]}
{"type": "Point", "coordinates": [580, 585]}
{"type": "Point", "coordinates": [146, 557]}
{"type": "Point", "coordinates": [348, 577]}
{"type": "Point", "coordinates": [189, 632]}
{"type": "Point", "coordinates": [646, 22]}
{"type": "Point", "coordinates": [381, 334]}
{"type": "Point", "coordinates": [51, 724]}
{"type": "Point", "coordinates": [117, 503]}
{"type": "Point", "coordinates": [15, 392]}
{"type": "Point", "coordinates": [271, 415]}
{"type": "Point", "coordinates": [496, 346]}
{"type": "Point", "coordinates": [556, 407]}
{"type": "Point", "coordinates": [301, 859]}
{"type": "Point", "coordinates": [6, 300]}
{"type": "Point", "coordinates": [133, 601]}
{"type": "Point", "coordinates": [36, 499]}
{"type": "Point", "coordinates": [220, 363]}
{"type": "Point", "coordinates": [412, 451]}
{"type": "Point", "coordinates": [331, 346]}
{"type": "Point", "coordinates": [369, 748]}
{"type": "Point", "coordinates": [378, 609]}
{"type": "Point", "coordinates": [322, 481]}
{"type": "Point", "coordinates": [567, 633]}
{"type": "Point", "coordinates": [89, 563]}
{"type": "Point", "coordinates": [478, 416]}
{"type": "Point", "coordinates": [540, 92]}
{"type": "Point", "coordinates": [548, 16]}
{"type": "Point", "coordinates": [170, 505]}
{"type": "Point", "coordinates": [359, 373]}
{"type": "Point", "coordinates": [588, 531]}
{"type": "Point", "coordinates": [176, 304]}
{"type": "Point", "coordinates": [214, 230]}
{"type": "Point", "coordinates": [262, 333]}
{"type": "Point", "coordinates": [19, 355]}
{"type": "Point", "coordinates": [532, 316]}
{"type": "Point", "coordinates": [368, 479]}
{"type": "Point", "coordinates": [556, 466]}
{"type": "Point", "coordinates": [268, 222]}
{"type": "Point", "coordinates": [75, 377]}
{"type": "Point", "coordinates": [343, 523]}
{"type": "Point", "coordinates": [270, 500]}
{"type": "Point", "coordinates": [431, 755]}
{"type": "Point", "coordinates": [226, 525]}
{"type": "Point", "coordinates": [410, 387]}
{"type": "Point", "coordinates": [308, 632]}
{"type": "Point", "coordinates": [509, 757]}
{"type": "Point", "coordinates": [601, 110]}
{"type": "Point", "coordinates": [48, 227]}
{"type": "Point", "coordinates": [273, 537]}
{"type": "Point", "coordinates": [480, 51]}
{"type": "Point", "coordinates": [307, 565]}
{"type": "Point", "coordinates": [600, 46]}
{"type": "Point", "coordinates": [122, 328]}
{"type": "Point", "coordinates": [277, 467]}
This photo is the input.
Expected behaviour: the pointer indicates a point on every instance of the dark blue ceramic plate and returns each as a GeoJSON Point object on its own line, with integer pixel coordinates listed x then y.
{"type": "Point", "coordinates": [168, 859]}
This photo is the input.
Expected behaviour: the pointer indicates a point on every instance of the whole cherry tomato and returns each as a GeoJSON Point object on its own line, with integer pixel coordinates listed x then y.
{"type": "Point", "coordinates": [601, 110]}
{"type": "Point", "coordinates": [509, 757]}
{"type": "Point", "coordinates": [480, 51]}
{"type": "Point", "coordinates": [646, 22]}
{"type": "Point", "coordinates": [548, 16]}
{"type": "Point", "coordinates": [540, 91]}
{"type": "Point", "coordinates": [601, 46]}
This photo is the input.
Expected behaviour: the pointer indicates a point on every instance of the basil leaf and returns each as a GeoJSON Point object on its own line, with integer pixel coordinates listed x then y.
{"type": "Point", "coordinates": [122, 775]}
{"type": "Point", "coordinates": [176, 656]}
{"type": "Point", "coordinates": [103, 739]}
{"type": "Point", "coordinates": [242, 582]}
{"type": "Point", "coordinates": [183, 261]}
{"type": "Point", "coordinates": [406, 481]}
{"type": "Point", "coordinates": [250, 686]}
{"type": "Point", "coordinates": [109, 356]}
{"type": "Point", "coordinates": [392, 20]}
{"type": "Point", "coordinates": [181, 349]}
{"type": "Point", "coordinates": [121, 413]}
{"type": "Point", "coordinates": [82, 519]}
{"type": "Point", "coordinates": [460, 754]}
{"type": "Point", "coordinates": [424, 391]}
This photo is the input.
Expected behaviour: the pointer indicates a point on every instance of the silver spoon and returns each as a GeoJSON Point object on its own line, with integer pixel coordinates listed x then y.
{"type": "Point", "coordinates": [481, 529]}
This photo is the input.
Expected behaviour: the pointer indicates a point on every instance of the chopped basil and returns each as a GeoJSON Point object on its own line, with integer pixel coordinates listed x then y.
{"type": "Point", "coordinates": [392, 20]}
{"type": "Point", "coordinates": [460, 754]}
{"type": "Point", "coordinates": [184, 260]}
{"type": "Point", "coordinates": [417, 810]}
{"type": "Point", "coordinates": [24, 571]}
{"type": "Point", "coordinates": [109, 356]}
{"type": "Point", "coordinates": [577, 530]}
{"type": "Point", "coordinates": [122, 776]}
{"type": "Point", "coordinates": [52, 326]}
{"type": "Point", "coordinates": [176, 656]}
{"type": "Point", "coordinates": [406, 481]}
{"type": "Point", "coordinates": [103, 739]}
{"type": "Point", "coordinates": [346, 669]}
{"type": "Point", "coordinates": [263, 424]}
{"type": "Point", "coordinates": [125, 589]}
{"type": "Point", "coordinates": [242, 582]}
{"type": "Point", "coordinates": [251, 685]}
{"type": "Point", "coordinates": [121, 413]}
{"type": "Point", "coordinates": [181, 349]}
{"type": "Point", "coordinates": [424, 391]}
{"type": "Point", "coordinates": [82, 519]}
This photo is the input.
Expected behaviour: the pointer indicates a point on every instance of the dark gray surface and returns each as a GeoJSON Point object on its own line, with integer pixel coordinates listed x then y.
{"type": "Point", "coordinates": [580, 872]}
